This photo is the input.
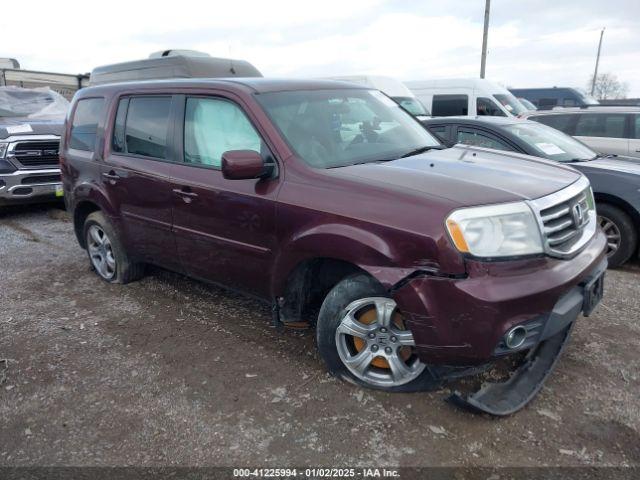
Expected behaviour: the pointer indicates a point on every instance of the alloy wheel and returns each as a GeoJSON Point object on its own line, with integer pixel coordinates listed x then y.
{"type": "Point", "coordinates": [612, 233]}
{"type": "Point", "coordinates": [101, 252]}
{"type": "Point", "coordinates": [374, 344]}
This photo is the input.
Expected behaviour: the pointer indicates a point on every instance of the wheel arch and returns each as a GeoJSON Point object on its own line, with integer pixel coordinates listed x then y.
{"type": "Point", "coordinates": [80, 213]}
{"type": "Point", "coordinates": [309, 282]}
{"type": "Point", "coordinates": [310, 264]}
{"type": "Point", "coordinates": [623, 205]}
{"type": "Point", "coordinates": [88, 199]}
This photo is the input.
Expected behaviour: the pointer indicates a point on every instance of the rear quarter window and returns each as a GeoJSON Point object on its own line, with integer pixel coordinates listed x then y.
{"type": "Point", "coordinates": [85, 124]}
{"type": "Point", "coordinates": [439, 131]}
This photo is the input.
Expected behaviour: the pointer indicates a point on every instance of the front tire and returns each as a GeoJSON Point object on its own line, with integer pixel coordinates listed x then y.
{"type": "Point", "coordinates": [622, 237]}
{"type": "Point", "coordinates": [107, 256]}
{"type": "Point", "coordinates": [362, 338]}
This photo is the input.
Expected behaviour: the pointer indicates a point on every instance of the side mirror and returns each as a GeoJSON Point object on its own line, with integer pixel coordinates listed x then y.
{"type": "Point", "coordinates": [242, 165]}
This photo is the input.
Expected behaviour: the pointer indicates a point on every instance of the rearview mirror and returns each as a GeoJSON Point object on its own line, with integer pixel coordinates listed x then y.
{"type": "Point", "coordinates": [242, 165]}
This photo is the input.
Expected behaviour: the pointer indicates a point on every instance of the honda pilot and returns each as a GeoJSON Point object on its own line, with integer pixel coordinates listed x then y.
{"type": "Point", "coordinates": [422, 264]}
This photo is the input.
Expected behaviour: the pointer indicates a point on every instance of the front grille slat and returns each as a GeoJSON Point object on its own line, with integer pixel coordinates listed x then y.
{"type": "Point", "coordinates": [559, 239]}
{"type": "Point", "coordinates": [557, 213]}
{"type": "Point", "coordinates": [36, 153]}
{"type": "Point", "coordinates": [562, 226]}
{"type": "Point", "coordinates": [551, 227]}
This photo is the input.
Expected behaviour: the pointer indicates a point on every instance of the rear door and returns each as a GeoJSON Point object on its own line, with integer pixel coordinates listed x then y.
{"type": "Point", "coordinates": [137, 175]}
{"type": "Point", "coordinates": [604, 132]}
{"type": "Point", "coordinates": [224, 229]}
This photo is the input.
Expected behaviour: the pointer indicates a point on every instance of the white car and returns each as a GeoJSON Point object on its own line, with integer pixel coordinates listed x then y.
{"type": "Point", "coordinates": [393, 88]}
{"type": "Point", "coordinates": [466, 96]}
{"type": "Point", "coordinates": [607, 130]}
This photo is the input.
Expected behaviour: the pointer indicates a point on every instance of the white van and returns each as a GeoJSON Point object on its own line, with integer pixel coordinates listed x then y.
{"type": "Point", "coordinates": [392, 88]}
{"type": "Point", "coordinates": [466, 96]}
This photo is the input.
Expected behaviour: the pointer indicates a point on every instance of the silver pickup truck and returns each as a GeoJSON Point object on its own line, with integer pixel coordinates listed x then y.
{"type": "Point", "coordinates": [31, 122]}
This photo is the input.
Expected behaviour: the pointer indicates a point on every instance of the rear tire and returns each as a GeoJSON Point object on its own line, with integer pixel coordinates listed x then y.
{"type": "Point", "coordinates": [107, 256]}
{"type": "Point", "coordinates": [381, 340]}
{"type": "Point", "coordinates": [622, 237]}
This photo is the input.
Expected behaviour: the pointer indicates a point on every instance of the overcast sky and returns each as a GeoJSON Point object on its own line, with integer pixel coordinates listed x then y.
{"type": "Point", "coordinates": [531, 42]}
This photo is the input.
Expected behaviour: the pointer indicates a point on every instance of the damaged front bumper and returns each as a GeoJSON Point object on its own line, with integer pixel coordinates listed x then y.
{"type": "Point", "coordinates": [464, 322]}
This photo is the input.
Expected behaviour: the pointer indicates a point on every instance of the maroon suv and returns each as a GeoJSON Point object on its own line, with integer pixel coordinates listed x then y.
{"type": "Point", "coordinates": [424, 263]}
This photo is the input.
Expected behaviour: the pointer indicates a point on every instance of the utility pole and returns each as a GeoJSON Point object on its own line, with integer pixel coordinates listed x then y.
{"type": "Point", "coordinates": [595, 73]}
{"type": "Point", "coordinates": [485, 35]}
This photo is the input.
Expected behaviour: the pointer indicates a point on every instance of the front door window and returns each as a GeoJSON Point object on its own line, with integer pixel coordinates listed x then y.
{"type": "Point", "coordinates": [214, 126]}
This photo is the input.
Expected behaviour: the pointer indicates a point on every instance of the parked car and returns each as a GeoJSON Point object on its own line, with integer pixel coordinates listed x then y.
{"type": "Point", "coordinates": [393, 88]}
{"type": "Point", "coordinates": [615, 180]}
{"type": "Point", "coordinates": [31, 122]}
{"type": "Point", "coordinates": [173, 64]}
{"type": "Point", "coordinates": [607, 130]}
{"type": "Point", "coordinates": [548, 98]}
{"type": "Point", "coordinates": [465, 96]}
{"type": "Point", "coordinates": [425, 263]}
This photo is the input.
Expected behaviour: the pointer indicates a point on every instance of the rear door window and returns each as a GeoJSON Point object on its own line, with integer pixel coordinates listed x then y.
{"type": "Point", "coordinates": [471, 136]}
{"type": "Point", "coordinates": [450, 105]}
{"type": "Point", "coordinates": [85, 124]}
{"type": "Point", "coordinates": [559, 122]}
{"type": "Point", "coordinates": [600, 125]}
{"type": "Point", "coordinates": [142, 125]}
{"type": "Point", "coordinates": [635, 130]}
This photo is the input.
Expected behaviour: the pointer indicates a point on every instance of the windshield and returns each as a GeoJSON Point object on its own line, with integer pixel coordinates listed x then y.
{"type": "Point", "coordinates": [31, 102]}
{"type": "Point", "coordinates": [586, 98]}
{"type": "Point", "coordinates": [412, 105]}
{"type": "Point", "coordinates": [530, 106]}
{"type": "Point", "coordinates": [336, 128]}
{"type": "Point", "coordinates": [551, 143]}
{"type": "Point", "coordinates": [511, 103]}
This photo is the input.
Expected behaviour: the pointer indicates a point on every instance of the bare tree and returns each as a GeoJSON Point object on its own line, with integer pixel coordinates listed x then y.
{"type": "Point", "coordinates": [608, 86]}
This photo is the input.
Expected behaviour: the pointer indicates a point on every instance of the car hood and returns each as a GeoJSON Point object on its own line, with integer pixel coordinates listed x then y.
{"type": "Point", "coordinates": [467, 175]}
{"type": "Point", "coordinates": [12, 126]}
{"type": "Point", "coordinates": [617, 164]}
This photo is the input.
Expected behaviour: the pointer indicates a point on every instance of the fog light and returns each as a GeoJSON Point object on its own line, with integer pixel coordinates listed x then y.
{"type": "Point", "coordinates": [515, 337]}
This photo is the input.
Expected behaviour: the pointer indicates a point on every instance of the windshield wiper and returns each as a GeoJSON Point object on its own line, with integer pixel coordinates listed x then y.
{"type": "Point", "coordinates": [418, 151]}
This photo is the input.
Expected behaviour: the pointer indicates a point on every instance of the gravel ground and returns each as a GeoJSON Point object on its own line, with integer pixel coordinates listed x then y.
{"type": "Point", "coordinates": [169, 371]}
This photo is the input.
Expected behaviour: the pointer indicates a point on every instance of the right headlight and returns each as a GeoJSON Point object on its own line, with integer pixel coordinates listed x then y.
{"type": "Point", "coordinates": [3, 149]}
{"type": "Point", "coordinates": [504, 230]}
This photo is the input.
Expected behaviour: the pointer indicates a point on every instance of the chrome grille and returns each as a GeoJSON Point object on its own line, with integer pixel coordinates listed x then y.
{"type": "Point", "coordinates": [35, 153]}
{"type": "Point", "coordinates": [562, 223]}
{"type": "Point", "coordinates": [566, 218]}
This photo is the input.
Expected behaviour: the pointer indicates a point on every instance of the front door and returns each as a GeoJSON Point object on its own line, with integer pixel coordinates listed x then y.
{"type": "Point", "coordinates": [224, 229]}
{"type": "Point", "coordinates": [137, 171]}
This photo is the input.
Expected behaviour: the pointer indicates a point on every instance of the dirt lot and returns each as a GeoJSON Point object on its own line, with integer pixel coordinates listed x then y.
{"type": "Point", "coordinates": [169, 371]}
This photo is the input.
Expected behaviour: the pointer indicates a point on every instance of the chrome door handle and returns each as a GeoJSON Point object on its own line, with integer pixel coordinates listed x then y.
{"type": "Point", "coordinates": [111, 175]}
{"type": "Point", "coordinates": [184, 193]}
